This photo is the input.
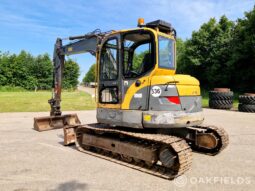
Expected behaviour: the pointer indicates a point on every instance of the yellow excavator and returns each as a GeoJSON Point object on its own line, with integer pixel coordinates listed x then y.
{"type": "Point", "coordinates": [148, 117]}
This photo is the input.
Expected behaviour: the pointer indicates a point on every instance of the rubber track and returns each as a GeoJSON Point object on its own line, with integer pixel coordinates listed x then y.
{"type": "Point", "coordinates": [220, 133]}
{"type": "Point", "coordinates": [180, 146]}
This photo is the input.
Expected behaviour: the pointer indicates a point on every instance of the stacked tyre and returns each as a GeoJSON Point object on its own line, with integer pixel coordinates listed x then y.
{"type": "Point", "coordinates": [247, 103]}
{"type": "Point", "coordinates": [221, 98]}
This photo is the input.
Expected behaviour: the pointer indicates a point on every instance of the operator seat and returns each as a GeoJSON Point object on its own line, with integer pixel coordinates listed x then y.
{"type": "Point", "coordinates": [147, 63]}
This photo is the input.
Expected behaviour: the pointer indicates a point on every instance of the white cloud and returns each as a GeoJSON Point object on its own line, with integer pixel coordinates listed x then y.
{"type": "Point", "coordinates": [188, 15]}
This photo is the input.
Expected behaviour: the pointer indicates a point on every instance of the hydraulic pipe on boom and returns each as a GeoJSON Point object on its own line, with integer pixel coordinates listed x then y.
{"type": "Point", "coordinates": [58, 63]}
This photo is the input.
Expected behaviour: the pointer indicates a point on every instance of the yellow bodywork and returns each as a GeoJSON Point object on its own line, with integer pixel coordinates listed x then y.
{"type": "Point", "coordinates": [186, 85]}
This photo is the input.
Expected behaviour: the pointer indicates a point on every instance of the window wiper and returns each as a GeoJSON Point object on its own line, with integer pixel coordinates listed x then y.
{"type": "Point", "coordinates": [170, 82]}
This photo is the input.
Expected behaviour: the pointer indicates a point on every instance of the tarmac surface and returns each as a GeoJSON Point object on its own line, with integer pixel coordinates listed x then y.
{"type": "Point", "coordinates": [31, 160]}
{"type": "Point", "coordinates": [88, 90]}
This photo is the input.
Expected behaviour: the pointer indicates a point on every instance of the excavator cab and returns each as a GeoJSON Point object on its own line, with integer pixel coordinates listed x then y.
{"type": "Point", "coordinates": [138, 87]}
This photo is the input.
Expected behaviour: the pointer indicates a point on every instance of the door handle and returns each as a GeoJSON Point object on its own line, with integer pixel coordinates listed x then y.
{"type": "Point", "coordinates": [137, 83]}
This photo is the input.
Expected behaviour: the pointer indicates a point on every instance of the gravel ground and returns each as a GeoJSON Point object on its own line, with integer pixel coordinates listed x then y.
{"type": "Point", "coordinates": [30, 160]}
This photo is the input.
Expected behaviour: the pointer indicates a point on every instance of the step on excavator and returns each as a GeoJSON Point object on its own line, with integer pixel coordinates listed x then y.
{"type": "Point", "coordinates": [148, 117]}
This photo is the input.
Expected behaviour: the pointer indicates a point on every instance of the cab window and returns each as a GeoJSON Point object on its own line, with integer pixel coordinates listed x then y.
{"type": "Point", "coordinates": [108, 60]}
{"type": "Point", "coordinates": [166, 53]}
{"type": "Point", "coordinates": [138, 54]}
{"type": "Point", "coordinates": [108, 90]}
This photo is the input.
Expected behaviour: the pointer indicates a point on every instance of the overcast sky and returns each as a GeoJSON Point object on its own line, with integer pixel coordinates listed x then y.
{"type": "Point", "coordinates": [34, 25]}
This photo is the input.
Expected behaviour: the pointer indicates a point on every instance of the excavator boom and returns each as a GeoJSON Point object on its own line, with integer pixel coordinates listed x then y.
{"type": "Point", "coordinates": [79, 44]}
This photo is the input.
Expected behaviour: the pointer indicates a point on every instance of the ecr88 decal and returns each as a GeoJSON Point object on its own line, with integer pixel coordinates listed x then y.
{"type": "Point", "coordinates": [155, 91]}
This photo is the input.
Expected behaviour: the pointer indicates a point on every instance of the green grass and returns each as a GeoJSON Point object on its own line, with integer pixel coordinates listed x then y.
{"type": "Point", "coordinates": [11, 89]}
{"type": "Point", "coordinates": [38, 101]}
{"type": "Point", "coordinates": [205, 99]}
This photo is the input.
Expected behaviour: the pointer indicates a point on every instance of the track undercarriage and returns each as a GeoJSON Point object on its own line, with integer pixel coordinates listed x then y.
{"type": "Point", "coordinates": [206, 139]}
{"type": "Point", "coordinates": [156, 153]}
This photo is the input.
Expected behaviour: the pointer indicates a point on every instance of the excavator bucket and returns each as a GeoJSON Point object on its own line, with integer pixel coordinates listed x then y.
{"type": "Point", "coordinates": [56, 122]}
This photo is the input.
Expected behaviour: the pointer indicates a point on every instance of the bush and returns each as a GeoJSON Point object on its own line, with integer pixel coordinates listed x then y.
{"type": "Point", "coordinates": [34, 72]}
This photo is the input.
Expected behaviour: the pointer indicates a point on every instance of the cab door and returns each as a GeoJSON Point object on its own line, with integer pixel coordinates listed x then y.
{"type": "Point", "coordinates": [138, 62]}
{"type": "Point", "coordinates": [109, 94]}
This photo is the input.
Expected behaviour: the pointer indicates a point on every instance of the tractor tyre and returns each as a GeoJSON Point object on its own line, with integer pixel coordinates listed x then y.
{"type": "Point", "coordinates": [246, 108]}
{"type": "Point", "coordinates": [247, 99]}
{"type": "Point", "coordinates": [221, 104]}
{"type": "Point", "coordinates": [215, 95]}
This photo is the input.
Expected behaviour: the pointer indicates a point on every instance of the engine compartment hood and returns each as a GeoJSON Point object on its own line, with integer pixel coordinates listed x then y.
{"type": "Point", "coordinates": [177, 79]}
{"type": "Point", "coordinates": [186, 80]}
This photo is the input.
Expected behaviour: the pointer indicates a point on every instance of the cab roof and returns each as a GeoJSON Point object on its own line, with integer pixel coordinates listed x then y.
{"type": "Point", "coordinates": [163, 26]}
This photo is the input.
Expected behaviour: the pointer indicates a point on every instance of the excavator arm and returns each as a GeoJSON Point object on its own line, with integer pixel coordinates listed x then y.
{"type": "Point", "coordinates": [86, 43]}
{"type": "Point", "coordinates": [79, 44]}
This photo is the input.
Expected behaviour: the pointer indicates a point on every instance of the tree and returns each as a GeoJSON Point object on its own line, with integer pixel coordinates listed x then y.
{"type": "Point", "coordinates": [71, 74]}
{"type": "Point", "coordinates": [31, 72]}
{"type": "Point", "coordinates": [221, 54]}
{"type": "Point", "coordinates": [207, 53]}
{"type": "Point", "coordinates": [90, 75]}
{"type": "Point", "coordinates": [5, 73]}
{"type": "Point", "coordinates": [138, 60]}
{"type": "Point", "coordinates": [243, 53]}
{"type": "Point", "coordinates": [19, 67]}
{"type": "Point", "coordinates": [41, 70]}
{"type": "Point", "coordinates": [180, 50]}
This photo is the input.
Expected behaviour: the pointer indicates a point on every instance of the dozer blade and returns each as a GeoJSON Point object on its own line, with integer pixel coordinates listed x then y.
{"type": "Point", "coordinates": [69, 134]}
{"type": "Point", "coordinates": [55, 122]}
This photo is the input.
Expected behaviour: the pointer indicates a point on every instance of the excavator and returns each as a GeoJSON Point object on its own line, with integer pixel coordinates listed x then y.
{"type": "Point", "coordinates": [148, 118]}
